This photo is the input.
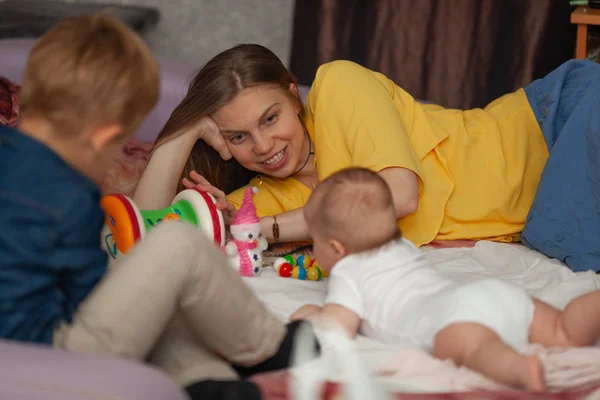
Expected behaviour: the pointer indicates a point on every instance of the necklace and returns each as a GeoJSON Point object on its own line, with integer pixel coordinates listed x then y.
{"type": "Point", "coordinates": [310, 153]}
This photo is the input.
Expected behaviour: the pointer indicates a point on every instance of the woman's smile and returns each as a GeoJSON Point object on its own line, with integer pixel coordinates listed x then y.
{"type": "Point", "coordinates": [277, 161]}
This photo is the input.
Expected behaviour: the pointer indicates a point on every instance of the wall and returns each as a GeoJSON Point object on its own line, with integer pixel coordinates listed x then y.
{"type": "Point", "coordinates": [193, 31]}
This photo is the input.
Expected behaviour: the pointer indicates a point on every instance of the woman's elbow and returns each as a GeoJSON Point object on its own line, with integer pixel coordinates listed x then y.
{"type": "Point", "coordinates": [404, 185]}
{"type": "Point", "coordinates": [408, 206]}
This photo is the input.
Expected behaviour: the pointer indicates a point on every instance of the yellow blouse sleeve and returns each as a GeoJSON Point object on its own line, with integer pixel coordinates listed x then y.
{"type": "Point", "coordinates": [354, 121]}
{"type": "Point", "coordinates": [274, 196]}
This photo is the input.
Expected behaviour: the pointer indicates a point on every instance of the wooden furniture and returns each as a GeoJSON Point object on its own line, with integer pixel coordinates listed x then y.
{"type": "Point", "coordinates": [584, 17]}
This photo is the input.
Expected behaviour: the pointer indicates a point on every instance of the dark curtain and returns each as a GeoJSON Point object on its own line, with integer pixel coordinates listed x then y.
{"type": "Point", "coordinates": [456, 53]}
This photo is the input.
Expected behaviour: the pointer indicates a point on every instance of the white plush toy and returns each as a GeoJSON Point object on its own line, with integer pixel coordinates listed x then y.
{"type": "Point", "coordinates": [246, 247]}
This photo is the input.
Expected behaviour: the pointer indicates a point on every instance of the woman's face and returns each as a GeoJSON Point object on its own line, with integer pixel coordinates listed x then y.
{"type": "Point", "coordinates": [262, 130]}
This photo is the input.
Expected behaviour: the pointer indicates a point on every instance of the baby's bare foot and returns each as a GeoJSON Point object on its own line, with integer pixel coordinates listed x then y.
{"type": "Point", "coordinates": [534, 373]}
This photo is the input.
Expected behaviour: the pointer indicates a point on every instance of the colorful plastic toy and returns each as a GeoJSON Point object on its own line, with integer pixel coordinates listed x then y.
{"type": "Point", "coordinates": [128, 224]}
{"type": "Point", "coordinates": [302, 268]}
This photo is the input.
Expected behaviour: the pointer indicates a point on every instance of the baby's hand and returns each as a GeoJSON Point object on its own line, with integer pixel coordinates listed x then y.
{"type": "Point", "coordinates": [305, 312]}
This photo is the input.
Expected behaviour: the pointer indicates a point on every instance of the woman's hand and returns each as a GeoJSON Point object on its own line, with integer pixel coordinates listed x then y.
{"type": "Point", "coordinates": [208, 131]}
{"type": "Point", "coordinates": [199, 182]}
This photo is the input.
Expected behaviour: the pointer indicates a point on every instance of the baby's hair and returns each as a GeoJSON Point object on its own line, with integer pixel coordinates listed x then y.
{"type": "Point", "coordinates": [90, 70]}
{"type": "Point", "coordinates": [356, 207]}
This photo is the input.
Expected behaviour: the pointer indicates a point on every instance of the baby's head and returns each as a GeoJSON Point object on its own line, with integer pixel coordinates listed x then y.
{"type": "Point", "coordinates": [89, 83]}
{"type": "Point", "coordinates": [350, 212]}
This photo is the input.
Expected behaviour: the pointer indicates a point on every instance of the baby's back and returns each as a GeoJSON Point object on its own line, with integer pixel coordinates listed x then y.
{"type": "Point", "coordinates": [391, 281]}
{"type": "Point", "coordinates": [402, 299]}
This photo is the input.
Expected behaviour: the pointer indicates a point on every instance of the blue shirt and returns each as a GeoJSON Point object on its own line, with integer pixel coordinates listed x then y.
{"type": "Point", "coordinates": [50, 223]}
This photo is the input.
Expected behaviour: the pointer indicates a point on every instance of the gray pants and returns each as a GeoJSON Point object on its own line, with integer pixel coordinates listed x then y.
{"type": "Point", "coordinates": [174, 300]}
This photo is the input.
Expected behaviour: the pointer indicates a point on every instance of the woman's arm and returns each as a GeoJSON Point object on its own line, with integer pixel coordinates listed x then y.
{"type": "Point", "coordinates": [292, 227]}
{"type": "Point", "coordinates": [404, 185]}
{"type": "Point", "coordinates": [358, 121]}
{"type": "Point", "coordinates": [158, 184]}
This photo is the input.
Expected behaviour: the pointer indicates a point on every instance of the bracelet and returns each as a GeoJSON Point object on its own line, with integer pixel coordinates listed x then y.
{"type": "Point", "coordinates": [275, 229]}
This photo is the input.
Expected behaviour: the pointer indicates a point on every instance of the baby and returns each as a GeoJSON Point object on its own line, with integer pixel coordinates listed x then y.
{"type": "Point", "coordinates": [382, 280]}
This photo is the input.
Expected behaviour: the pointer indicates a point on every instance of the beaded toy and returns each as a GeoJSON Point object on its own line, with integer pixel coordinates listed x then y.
{"type": "Point", "coordinates": [301, 267]}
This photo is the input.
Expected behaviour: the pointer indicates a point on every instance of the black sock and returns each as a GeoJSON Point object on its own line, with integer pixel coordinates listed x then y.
{"type": "Point", "coordinates": [223, 390]}
{"type": "Point", "coordinates": [281, 359]}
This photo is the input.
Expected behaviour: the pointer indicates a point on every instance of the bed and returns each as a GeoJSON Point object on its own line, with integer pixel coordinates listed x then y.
{"type": "Point", "coordinates": [405, 371]}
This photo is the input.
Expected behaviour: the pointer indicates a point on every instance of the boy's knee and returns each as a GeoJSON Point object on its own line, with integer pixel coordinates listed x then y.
{"type": "Point", "coordinates": [190, 246]}
{"type": "Point", "coordinates": [179, 235]}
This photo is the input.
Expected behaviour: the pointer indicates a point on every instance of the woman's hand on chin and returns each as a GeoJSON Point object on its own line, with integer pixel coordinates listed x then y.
{"type": "Point", "coordinates": [199, 182]}
{"type": "Point", "coordinates": [208, 131]}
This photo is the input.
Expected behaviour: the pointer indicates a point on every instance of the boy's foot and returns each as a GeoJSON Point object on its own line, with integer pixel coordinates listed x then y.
{"type": "Point", "coordinates": [282, 358]}
{"type": "Point", "coordinates": [533, 373]}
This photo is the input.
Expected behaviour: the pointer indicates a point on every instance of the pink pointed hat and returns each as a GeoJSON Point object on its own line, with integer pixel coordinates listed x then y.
{"type": "Point", "coordinates": [246, 215]}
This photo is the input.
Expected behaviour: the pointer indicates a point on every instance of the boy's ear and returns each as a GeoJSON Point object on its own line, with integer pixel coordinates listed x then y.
{"type": "Point", "coordinates": [103, 135]}
{"type": "Point", "coordinates": [338, 249]}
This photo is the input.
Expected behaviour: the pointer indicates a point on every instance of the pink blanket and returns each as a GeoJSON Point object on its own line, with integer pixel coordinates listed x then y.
{"type": "Point", "coordinates": [275, 386]}
{"type": "Point", "coordinates": [564, 370]}
{"type": "Point", "coordinates": [569, 374]}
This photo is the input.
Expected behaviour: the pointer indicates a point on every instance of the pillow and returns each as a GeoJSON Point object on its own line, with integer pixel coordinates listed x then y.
{"type": "Point", "coordinates": [126, 171]}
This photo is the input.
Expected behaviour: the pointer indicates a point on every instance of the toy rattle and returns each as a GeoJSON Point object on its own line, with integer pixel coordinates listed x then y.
{"type": "Point", "coordinates": [128, 224]}
{"type": "Point", "coordinates": [301, 267]}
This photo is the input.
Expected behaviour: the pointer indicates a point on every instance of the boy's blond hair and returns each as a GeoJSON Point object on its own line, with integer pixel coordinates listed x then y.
{"type": "Point", "coordinates": [356, 207]}
{"type": "Point", "coordinates": [88, 71]}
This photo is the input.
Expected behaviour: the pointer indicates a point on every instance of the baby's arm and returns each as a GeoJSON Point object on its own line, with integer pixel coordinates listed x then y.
{"type": "Point", "coordinates": [330, 316]}
{"type": "Point", "coordinates": [344, 305]}
{"type": "Point", "coordinates": [305, 312]}
{"type": "Point", "coordinates": [333, 314]}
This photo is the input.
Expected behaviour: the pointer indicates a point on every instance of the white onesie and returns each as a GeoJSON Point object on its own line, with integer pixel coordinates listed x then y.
{"type": "Point", "coordinates": [400, 297]}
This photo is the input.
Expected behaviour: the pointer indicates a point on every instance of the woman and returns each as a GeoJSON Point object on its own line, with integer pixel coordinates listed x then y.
{"type": "Point", "coordinates": [454, 174]}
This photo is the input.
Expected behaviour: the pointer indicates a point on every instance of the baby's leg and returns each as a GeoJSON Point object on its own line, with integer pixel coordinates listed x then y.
{"type": "Point", "coordinates": [482, 350]}
{"type": "Point", "coordinates": [174, 270]}
{"type": "Point", "coordinates": [577, 325]}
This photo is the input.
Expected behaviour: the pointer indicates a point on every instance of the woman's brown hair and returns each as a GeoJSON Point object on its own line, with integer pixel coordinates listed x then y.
{"type": "Point", "coordinates": [214, 86]}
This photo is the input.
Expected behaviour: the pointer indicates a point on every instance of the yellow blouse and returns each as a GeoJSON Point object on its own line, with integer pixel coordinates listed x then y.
{"type": "Point", "coordinates": [478, 169]}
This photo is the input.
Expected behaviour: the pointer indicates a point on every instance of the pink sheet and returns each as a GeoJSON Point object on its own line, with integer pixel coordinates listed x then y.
{"type": "Point", "coordinates": [275, 386]}
{"type": "Point", "coordinates": [569, 374]}
{"type": "Point", "coordinates": [564, 370]}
